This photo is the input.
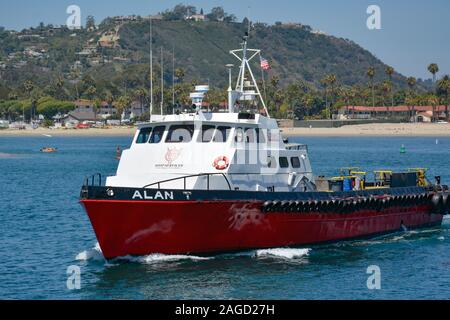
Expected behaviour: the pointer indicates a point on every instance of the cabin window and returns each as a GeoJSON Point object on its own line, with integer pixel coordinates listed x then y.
{"type": "Point", "coordinates": [250, 136]}
{"type": "Point", "coordinates": [157, 134]}
{"type": "Point", "coordinates": [222, 134]}
{"type": "Point", "coordinates": [284, 163]}
{"type": "Point", "coordinates": [207, 134]}
{"type": "Point", "coordinates": [239, 136]}
{"type": "Point", "coordinates": [144, 135]}
{"type": "Point", "coordinates": [180, 134]}
{"type": "Point", "coordinates": [295, 161]}
{"type": "Point", "coordinates": [260, 135]}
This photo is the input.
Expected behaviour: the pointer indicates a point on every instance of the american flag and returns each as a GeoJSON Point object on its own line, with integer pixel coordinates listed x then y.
{"type": "Point", "coordinates": [265, 64]}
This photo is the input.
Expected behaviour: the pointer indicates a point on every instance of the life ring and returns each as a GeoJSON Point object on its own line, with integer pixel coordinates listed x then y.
{"type": "Point", "coordinates": [221, 163]}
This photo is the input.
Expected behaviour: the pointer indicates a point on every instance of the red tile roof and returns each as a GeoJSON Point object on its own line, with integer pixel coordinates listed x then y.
{"type": "Point", "coordinates": [393, 109]}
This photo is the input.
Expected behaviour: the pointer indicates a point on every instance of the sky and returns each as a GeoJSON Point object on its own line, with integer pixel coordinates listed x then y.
{"type": "Point", "coordinates": [413, 34]}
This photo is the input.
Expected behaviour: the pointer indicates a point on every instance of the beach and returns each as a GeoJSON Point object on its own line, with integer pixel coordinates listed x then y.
{"type": "Point", "coordinates": [373, 130]}
{"type": "Point", "coordinates": [383, 130]}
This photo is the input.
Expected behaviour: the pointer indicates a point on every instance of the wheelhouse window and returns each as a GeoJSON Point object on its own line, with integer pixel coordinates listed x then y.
{"type": "Point", "coordinates": [250, 135]}
{"type": "Point", "coordinates": [239, 136]}
{"type": "Point", "coordinates": [222, 134]}
{"type": "Point", "coordinates": [295, 161]}
{"type": "Point", "coordinates": [144, 135]}
{"type": "Point", "coordinates": [260, 135]}
{"type": "Point", "coordinates": [207, 134]}
{"type": "Point", "coordinates": [284, 163]}
{"type": "Point", "coordinates": [157, 134]}
{"type": "Point", "coordinates": [180, 134]}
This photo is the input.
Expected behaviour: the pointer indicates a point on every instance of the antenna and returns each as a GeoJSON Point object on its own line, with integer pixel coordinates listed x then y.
{"type": "Point", "coordinates": [173, 78]}
{"type": "Point", "coordinates": [162, 81]}
{"type": "Point", "coordinates": [151, 68]}
{"type": "Point", "coordinates": [242, 83]}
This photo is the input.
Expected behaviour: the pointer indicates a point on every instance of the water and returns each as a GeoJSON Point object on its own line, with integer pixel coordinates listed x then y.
{"type": "Point", "coordinates": [43, 231]}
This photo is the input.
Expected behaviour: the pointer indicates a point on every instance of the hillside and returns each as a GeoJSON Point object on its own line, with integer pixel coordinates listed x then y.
{"type": "Point", "coordinates": [201, 50]}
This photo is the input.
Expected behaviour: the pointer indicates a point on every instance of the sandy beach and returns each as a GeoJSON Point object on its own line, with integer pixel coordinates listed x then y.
{"type": "Point", "coordinates": [406, 129]}
{"type": "Point", "coordinates": [382, 130]}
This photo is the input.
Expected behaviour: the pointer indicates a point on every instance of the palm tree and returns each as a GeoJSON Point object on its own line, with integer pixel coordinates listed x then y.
{"type": "Point", "coordinates": [386, 87]}
{"type": "Point", "coordinates": [371, 75]}
{"type": "Point", "coordinates": [29, 86]}
{"type": "Point", "coordinates": [390, 72]}
{"type": "Point", "coordinates": [123, 103]}
{"type": "Point", "coordinates": [433, 69]}
{"type": "Point", "coordinates": [443, 90]}
{"type": "Point", "coordinates": [179, 74]}
{"type": "Point", "coordinates": [59, 84]}
{"type": "Point", "coordinates": [332, 79]}
{"type": "Point", "coordinates": [434, 101]}
{"type": "Point", "coordinates": [140, 95]}
{"type": "Point", "coordinates": [411, 84]}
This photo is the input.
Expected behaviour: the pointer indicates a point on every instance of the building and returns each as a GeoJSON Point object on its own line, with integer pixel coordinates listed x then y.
{"type": "Point", "coordinates": [104, 111]}
{"type": "Point", "coordinates": [401, 113]}
{"type": "Point", "coordinates": [196, 17]}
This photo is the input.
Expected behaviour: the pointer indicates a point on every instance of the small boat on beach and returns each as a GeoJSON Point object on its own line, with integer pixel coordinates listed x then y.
{"type": "Point", "coordinates": [201, 182]}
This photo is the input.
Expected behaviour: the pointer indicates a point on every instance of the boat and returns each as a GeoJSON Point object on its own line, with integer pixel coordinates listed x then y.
{"type": "Point", "coordinates": [200, 182]}
{"type": "Point", "coordinates": [49, 150]}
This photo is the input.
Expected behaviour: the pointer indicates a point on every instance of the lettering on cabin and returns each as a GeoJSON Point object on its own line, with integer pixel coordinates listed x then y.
{"type": "Point", "coordinates": [150, 195]}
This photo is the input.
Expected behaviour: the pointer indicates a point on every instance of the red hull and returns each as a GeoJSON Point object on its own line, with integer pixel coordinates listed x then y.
{"type": "Point", "coordinates": [182, 227]}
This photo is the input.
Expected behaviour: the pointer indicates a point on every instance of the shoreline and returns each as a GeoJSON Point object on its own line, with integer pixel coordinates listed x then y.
{"type": "Point", "coordinates": [366, 130]}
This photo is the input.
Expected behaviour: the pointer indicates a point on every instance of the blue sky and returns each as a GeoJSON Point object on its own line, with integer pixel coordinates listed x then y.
{"type": "Point", "coordinates": [414, 32]}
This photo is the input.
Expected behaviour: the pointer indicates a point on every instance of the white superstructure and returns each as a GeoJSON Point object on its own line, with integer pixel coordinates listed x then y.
{"type": "Point", "coordinates": [216, 151]}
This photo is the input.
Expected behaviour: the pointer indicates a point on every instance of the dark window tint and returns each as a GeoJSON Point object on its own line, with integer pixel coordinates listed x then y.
{"type": "Point", "coordinates": [144, 135]}
{"type": "Point", "coordinates": [222, 134]}
{"type": "Point", "coordinates": [239, 136]}
{"type": "Point", "coordinates": [295, 161]}
{"type": "Point", "coordinates": [284, 163]}
{"type": "Point", "coordinates": [260, 136]}
{"type": "Point", "coordinates": [157, 134]}
{"type": "Point", "coordinates": [180, 134]}
{"type": "Point", "coordinates": [250, 136]}
{"type": "Point", "coordinates": [206, 134]}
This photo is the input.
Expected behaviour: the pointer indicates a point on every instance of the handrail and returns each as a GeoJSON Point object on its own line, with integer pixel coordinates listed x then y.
{"type": "Point", "coordinates": [207, 175]}
{"type": "Point", "coordinates": [92, 179]}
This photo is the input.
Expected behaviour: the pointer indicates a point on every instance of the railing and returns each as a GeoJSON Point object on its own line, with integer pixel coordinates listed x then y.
{"type": "Point", "coordinates": [207, 175]}
{"type": "Point", "coordinates": [93, 179]}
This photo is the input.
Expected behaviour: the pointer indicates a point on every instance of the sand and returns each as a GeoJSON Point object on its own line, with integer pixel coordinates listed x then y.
{"type": "Point", "coordinates": [374, 130]}
{"type": "Point", "coordinates": [401, 130]}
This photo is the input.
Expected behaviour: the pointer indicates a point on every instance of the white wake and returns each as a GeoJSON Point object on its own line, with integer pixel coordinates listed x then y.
{"type": "Point", "coordinates": [283, 253]}
{"type": "Point", "coordinates": [91, 254]}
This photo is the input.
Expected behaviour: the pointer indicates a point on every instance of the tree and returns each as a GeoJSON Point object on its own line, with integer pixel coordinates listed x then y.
{"type": "Point", "coordinates": [90, 23]}
{"type": "Point", "coordinates": [29, 86]}
{"type": "Point", "coordinates": [371, 75]}
{"type": "Point", "coordinates": [443, 91]}
{"type": "Point", "coordinates": [91, 92]}
{"type": "Point", "coordinates": [123, 103]}
{"type": "Point", "coordinates": [390, 72]}
{"type": "Point", "coordinates": [434, 101]}
{"type": "Point", "coordinates": [217, 14]}
{"type": "Point", "coordinates": [411, 84]}
{"type": "Point", "coordinates": [433, 69]}
{"type": "Point", "coordinates": [179, 74]}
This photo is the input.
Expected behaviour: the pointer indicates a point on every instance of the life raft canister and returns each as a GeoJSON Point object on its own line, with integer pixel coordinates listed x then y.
{"type": "Point", "coordinates": [221, 163]}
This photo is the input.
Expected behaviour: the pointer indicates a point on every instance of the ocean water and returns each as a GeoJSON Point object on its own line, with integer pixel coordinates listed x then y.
{"type": "Point", "coordinates": [43, 231]}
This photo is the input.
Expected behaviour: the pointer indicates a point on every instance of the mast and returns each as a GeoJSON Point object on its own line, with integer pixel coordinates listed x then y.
{"type": "Point", "coordinates": [151, 69]}
{"type": "Point", "coordinates": [162, 81]}
{"type": "Point", "coordinates": [246, 90]}
{"type": "Point", "coordinates": [173, 79]}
